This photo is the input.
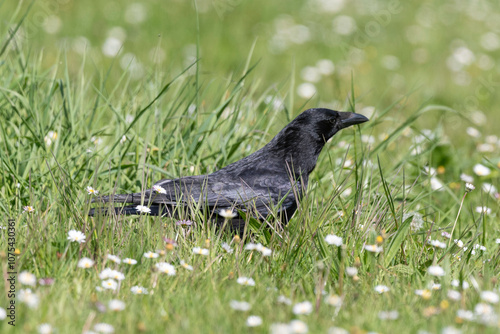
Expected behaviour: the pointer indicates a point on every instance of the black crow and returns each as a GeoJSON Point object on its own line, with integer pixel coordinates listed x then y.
{"type": "Point", "coordinates": [271, 180]}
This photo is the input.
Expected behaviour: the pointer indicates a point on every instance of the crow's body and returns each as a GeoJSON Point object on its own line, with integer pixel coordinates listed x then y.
{"type": "Point", "coordinates": [273, 178]}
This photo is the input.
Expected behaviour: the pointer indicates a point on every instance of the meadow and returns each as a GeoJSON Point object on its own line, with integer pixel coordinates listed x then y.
{"type": "Point", "coordinates": [398, 233]}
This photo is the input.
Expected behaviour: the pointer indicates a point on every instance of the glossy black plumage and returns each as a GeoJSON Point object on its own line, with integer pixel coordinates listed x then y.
{"type": "Point", "coordinates": [272, 179]}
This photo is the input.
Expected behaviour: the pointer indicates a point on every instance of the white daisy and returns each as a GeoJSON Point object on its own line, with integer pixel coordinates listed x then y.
{"type": "Point", "coordinates": [332, 239]}
{"type": "Point", "coordinates": [166, 268]}
{"type": "Point", "coordinates": [436, 271]}
{"type": "Point", "coordinates": [129, 261]}
{"type": "Point", "coordinates": [29, 298]}
{"type": "Point", "coordinates": [92, 191]}
{"type": "Point", "coordinates": [109, 284]}
{"type": "Point", "coordinates": [254, 321]}
{"type": "Point", "coordinates": [381, 288]}
{"type": "Point", "coordinates": [454, 295]}
{"type": "Point", "coordinates": [201, 251]}
{"type": "Point", "coordinates": [159, 189]}
{"type": "Point", "coordinates": [29, 209]}
{"type": "Point", "coordinates": [227, 213]}
{"type": "Point", "coordinates": [114, 258]}
{"type": "Point", "coordinates": [143, 209]}
{"type": "Point", "coordinates": [298, 327]}
{"type": "Point", "coordinates": [469, 187]}
{"type": "Point", "coordinates": [227, 248]}
{"type": "Point", "coordinates": [351, 271]}
{"type": "Point", "coordinates": [483, 209]}
{"type": "Point", "coordinates": [374, 248]}
{"type": "Point", "coordinates": [186, 266]}
{"type": "Point", "coordinates": [138, 290]}
{"type": "Point", "coordinates": [490, 297]}
{"type": "Point", "coordinates": [303, 308]}
{"type": "Point", "coordinates": [481, 170]}
{"type": "Point", "coordinates": [104, 328]}
{"type": "Point", "coordinates": [45, 329]}
{"type": "Point", "coordinates": [245, 281]}
{"type": "Point", "coordinates": [116, 305]}
{"type": "Point", "coordinates": [151, 255]}
{"type": "Point", "coordinates": [77, 236]}
{"type": "Point", "coordinates": [27, 278]}
{"type": "Point", "coordinates": [85, 263]}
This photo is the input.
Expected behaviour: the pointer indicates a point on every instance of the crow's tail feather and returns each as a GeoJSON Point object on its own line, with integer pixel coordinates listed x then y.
{"type": "Point", "coordinates": [135, 198]}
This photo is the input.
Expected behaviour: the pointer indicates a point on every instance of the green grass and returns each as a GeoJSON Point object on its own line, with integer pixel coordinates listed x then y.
{"type": "Point", "coordinates": [188, 118]}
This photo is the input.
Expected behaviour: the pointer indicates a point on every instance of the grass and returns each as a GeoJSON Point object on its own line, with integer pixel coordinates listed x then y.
{"type": "Point", "coordinates": [373, 185]}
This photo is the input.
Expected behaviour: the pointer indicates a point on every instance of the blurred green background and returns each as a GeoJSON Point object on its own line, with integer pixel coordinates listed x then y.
{"type": "Point", "coordinates": [410, 52]}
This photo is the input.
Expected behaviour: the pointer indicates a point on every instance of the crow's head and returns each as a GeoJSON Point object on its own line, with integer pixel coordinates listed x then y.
{"type": "Point", "coordinates": [325, 122]}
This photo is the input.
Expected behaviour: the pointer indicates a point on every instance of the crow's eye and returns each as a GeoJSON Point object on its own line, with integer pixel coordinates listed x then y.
{"type": "Point", "coordinates": [332, 120]}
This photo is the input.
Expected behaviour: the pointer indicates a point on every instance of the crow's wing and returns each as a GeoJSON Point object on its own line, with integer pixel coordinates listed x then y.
{"type": "Point", "coordinates": [218, 193]}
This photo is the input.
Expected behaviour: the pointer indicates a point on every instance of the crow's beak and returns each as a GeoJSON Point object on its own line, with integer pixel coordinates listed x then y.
{"type": "Point", "coordinates": [350, 118]}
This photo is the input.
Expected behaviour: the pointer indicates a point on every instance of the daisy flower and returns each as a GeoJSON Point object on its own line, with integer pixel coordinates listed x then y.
{"type": "Point", "coordinates": [381, 288]}
{"type": "Point", "coordinates": [469, 187]}
{"type": "Point", "coordinates": [456, 284]}
{"type": "Point", "coordinates": [266, 251]}
{"type": "Point", "coordinates": [436, 271]}
{"type": "Point", "coordinates": [254, 321]}
{"type": "Point", "coordinates": [186, 266]}
{"type": "Point", "coordinates": [159, 189]}
{"type": "Point", "coordinates": [129, 261]}
{"type": "Point", "coordinates": [104, 328]}
{"type": "Point", "coordinates": [165, 268]}
{"type": "Point", "coordinates": [77, 236]}
{"type": "Point", "coordinates": [298, 327]}
{"type": "Point", "coordinates": [333, 300]}
{"type": "Point", "coordinates": [303, 308]}
{"type": "Point", "coordinates": [114, 258]}
{"type": "Point", "coordinates": [201, 251]}
{"type": "Point", "coordinates": [465, 315]}
{"type": "Point", "coordinates": [481, 170]}
{"type": "Point", "coordinates": [138, 290]}
{"type": "Point", "coordinates": [374, 248]}
{"type": "Point", "coordinates": [351, 271]}
{"type": "Point", "coordinates": [29, 298]}
{"type": "Point", "coordinates": [250, 246]}
{"type": "Point", "coordinates": [110, 273]}
{"type": "Point", "coordinates": [332, 239]}
{"type": "Point", "coordinates": [454, 295]}
{"type": "Point", "coordinates": [437, 244]}
{"type": "Point", "coordinates": [483, 209]}
{"type": "Point", "coordinates": [184, 223]}
{"type": "Point", "coordinates": [227, 213]}
{"type": "Point", "coordinates": [109, 284]}
{"type": "Point", "coordinates": [227, 248]}
{"type": "Point", "coordinates": [91, 191]}
{"type": "Point", "coordinates": [284, 300]}
{"type": "Point", "coordinates": [245, 281]}
{"type": "Point", "coordinates": [27, 278]}
{"type": "Point", "coordinates": [29, 209]}
{"type": "Point", "coordinates": [85, 263]}
{"type": "Point", "coordinates": [490, 297]}
{"type": "Point", "coordinates": [142, 209]}
{"type": "Point", "coordinates": [45, 329]}
{"type": "Point", "coordinates": [466, 178]}
{"type": "Point", "coordinates": [151, 255]}
{"type": "Point", "coordinates": [116, 305]}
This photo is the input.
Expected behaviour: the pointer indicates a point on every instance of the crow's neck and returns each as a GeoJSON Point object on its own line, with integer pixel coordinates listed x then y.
{"type": "Point", "coordinates": [296, 149]}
